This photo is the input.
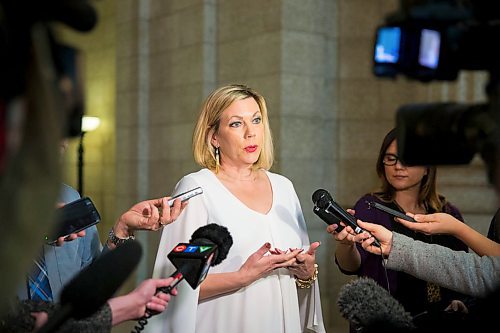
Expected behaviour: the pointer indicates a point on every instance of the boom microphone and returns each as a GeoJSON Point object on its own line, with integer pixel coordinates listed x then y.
{"type": "Point", "coordinates": [370, 308]}
{"type": "Point", "coordinates": [77, 14]}
{"type": "Point", "coordinates": [95, 284]}
{"type": "Point", "coordinates": [323, 200]}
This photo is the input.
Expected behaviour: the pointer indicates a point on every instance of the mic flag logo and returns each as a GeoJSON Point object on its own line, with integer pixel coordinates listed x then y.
{"type": "Point", "coordinates": [193, 261]}
{"type": "Point", "coordinates": [192, 248]}
{"type": "Point", "coordinates": [180, 248]}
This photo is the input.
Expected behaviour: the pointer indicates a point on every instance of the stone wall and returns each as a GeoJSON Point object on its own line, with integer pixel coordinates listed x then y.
{"type": "Point", "coordinates": [152, 62]}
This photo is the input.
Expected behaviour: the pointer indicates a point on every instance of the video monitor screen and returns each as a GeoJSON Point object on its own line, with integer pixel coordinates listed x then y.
{"type": "Point", "coordinates": [387, 45]}
{"type": "Point", "coordinates": [430, 42]}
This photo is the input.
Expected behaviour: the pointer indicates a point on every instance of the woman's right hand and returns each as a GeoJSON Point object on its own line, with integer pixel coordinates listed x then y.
{"type": "Point", "coordinates": [260, 263]}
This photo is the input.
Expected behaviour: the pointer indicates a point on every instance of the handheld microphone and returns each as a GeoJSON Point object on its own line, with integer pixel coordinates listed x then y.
{"type": "Point", "coordinates": [77, 14]}
{"type": "Point", "coordinates": [370, 308]}
{"type": "Point", "coordinates": [328, 217]}
{"type": "Point", "coordinates": [95, 284]}
{"type": "Point", "coordinates": [323, 200]}
{"type": "Point", "coordinates": [208, 246]}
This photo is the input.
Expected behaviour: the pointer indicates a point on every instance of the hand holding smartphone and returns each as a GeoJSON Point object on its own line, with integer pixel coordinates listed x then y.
{"type": "Point", "coordinates": [74, 217]}
{"type": "Point", "coordinates": [186, 195]}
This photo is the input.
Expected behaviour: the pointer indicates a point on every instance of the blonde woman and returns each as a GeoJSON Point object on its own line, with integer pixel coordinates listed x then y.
{"type": "Point", "coordinates": [268, 282]}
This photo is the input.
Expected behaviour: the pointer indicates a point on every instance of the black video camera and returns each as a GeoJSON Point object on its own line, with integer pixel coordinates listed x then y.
{"type": "Point", "coordinates": [435, 40]}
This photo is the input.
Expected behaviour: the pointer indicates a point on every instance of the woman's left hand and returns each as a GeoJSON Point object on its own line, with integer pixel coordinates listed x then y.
{"type": "Point", "coordinates": [303, 268]}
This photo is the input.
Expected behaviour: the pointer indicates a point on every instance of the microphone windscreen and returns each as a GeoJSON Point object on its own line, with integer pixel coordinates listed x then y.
{"type": "Point", "coordinates": [215, 234]}
{"type": "Point", "coordinates": [98, 282]}
{"type": "Point", "coordinates": [77, 14]}
{"type": "Point", "coordinates": [321, 198]}
{"type": "Point", "coordinates": [370, 308]}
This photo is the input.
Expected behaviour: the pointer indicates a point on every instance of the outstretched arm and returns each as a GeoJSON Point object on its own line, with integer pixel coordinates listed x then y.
{"type": "Point", "coordinates": [146, 215]}
{"type": "Point", "coordinates": [464, 272]}
{"type": "Point", "coordinates": [442, 223]}
{"type": "Point", "coordinates": [145, 297]}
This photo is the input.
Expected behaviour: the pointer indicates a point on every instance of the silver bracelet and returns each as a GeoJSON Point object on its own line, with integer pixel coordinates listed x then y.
{"type": "Point", "coordinates": [116, 240]}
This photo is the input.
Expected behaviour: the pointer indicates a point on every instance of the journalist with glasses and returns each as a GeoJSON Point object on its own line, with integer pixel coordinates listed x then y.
{"type": "Point", "coordinates": [406, 189]}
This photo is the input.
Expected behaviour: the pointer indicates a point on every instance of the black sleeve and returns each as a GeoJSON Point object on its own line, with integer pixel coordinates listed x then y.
{"type": "Point", "coordinates": [19, 320]}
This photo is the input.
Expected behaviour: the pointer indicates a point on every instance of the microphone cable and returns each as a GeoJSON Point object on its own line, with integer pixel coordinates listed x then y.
{"type": "Point", "coordinates": [143, 321]}
{"type": "Point", "coordinates": [385, 270]}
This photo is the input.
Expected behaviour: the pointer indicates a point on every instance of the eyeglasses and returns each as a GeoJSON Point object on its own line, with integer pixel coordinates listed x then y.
{"type": "Point", "coordinates": [391, 159]}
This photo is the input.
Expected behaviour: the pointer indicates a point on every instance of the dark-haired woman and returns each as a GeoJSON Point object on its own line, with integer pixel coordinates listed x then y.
{"type": "Point", "coordinates": [406, 189]}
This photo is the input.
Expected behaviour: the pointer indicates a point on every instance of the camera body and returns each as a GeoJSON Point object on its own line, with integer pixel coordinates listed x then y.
{"type": "Point", "coordinates": [435, 40]}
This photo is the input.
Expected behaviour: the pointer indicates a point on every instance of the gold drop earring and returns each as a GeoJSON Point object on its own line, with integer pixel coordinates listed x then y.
{"type": "Point", "coordinates": [217, 159]}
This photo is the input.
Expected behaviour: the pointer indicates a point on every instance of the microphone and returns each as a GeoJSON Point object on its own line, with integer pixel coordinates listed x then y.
{"type": "Point", "coordinates": [77, 14]}
{"type": "Point", "coordinates": [370, 308]}
{"type": "Point", "coordinates": [328, 217]}
{"type": "Point", "coordinates": [95, 284]}
{"type": "Point", "coordinates": [323, 200]}
{"type": "Point", "coordinates": [208, 246]}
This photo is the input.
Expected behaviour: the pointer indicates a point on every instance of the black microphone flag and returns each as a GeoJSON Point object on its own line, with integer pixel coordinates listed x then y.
{"type": "Point", "coordinates": [95, 284]}
{"type": "Point", "coordinates": [207, 247]}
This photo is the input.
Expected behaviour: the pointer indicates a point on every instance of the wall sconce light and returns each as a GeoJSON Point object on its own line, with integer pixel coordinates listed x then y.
{"type": "Point", "coordinates": [88, 124]}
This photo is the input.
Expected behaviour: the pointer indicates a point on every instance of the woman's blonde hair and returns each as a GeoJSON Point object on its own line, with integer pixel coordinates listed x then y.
{"type": "Point", "coordinates": [209, 121]}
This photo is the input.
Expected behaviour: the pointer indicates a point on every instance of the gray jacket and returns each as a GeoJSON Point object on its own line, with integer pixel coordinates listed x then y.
{"type": "Point", "coordinates": [464, 272]}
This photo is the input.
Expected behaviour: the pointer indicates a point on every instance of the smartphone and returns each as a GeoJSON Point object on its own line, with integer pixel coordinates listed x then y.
{"type": "Point", "coordinates": [390, 211]}
{"type": "Point", "coordinates": [74, 217]}
{"type": "Point", "coordinates": [186, 195]}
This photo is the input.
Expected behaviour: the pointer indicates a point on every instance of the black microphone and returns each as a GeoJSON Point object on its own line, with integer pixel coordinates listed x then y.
{"type": "Point", "coordinates": [370, 308]}
{"type": "Point", "coordinates": [208, 246]}
{"type": "Point", "coordinates": [77, 14]}
{"type": "Point", "coordinates": [328, 217]}
{"type": "Point", "coordinates": [323, 200]}
{"type": "Point", "coordinates": [95, 284]}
